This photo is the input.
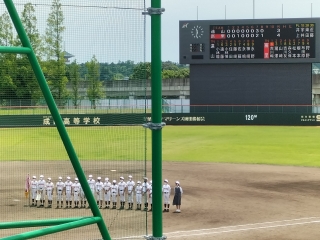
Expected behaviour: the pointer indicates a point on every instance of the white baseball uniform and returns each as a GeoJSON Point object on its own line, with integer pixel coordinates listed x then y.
{"type": "Point", "coordinates": [145, 186]}
{"type": "Point", "coordinates": [82, 195]}
{"type": "Point", "coordinates": [92, 185]}
{"type": "Point", "coordinates": [60, 187]}
{"type": "Point", "coordinates": [76, 191]}
{"type": "Point", "coordinates": [41, 188]}
{"type": "Point", "coordinates": [150, 193]}
{"type": "Point", "coordinates": [68, 186]}
{"type": "Point", "coordinates": [138, 190]}
{"type": "Point", "coordinates": [166, 190]}
{"type": "Point", "coordinates": [107, 190]}
{"type": "Point", "coordinates": [34, 188]}
{"type": "Point", "coordinates": [114, 193]}
{"type": "Point", "coordinates": [130, 189]}
{"type": "Point", "coordinates": [49, 190]}
{"type": "Point", "coordinates": [99, 188]}
{"type": "Point", "coordinates": [121, 189]}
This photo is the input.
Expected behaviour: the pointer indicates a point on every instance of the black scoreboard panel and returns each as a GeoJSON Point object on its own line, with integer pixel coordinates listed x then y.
{"type": "Point", "coordinates": [250, 41]}
{"type": "Point", "coordinates": [250, 84]}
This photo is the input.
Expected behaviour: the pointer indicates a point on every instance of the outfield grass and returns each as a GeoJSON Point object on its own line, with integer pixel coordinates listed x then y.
{"type": "Point", "coordinates": [243, 144]}
{"type": "Point", "coordinates": [233, 144]}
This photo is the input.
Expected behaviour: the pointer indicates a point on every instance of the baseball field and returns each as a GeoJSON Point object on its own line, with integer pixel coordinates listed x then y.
{"type": "Point", "coordinates": [239, 182]}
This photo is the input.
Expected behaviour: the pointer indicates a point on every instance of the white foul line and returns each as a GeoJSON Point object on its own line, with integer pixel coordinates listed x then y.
{"type": "Point", "coordinates": [236, 228]}
{"type": "Point", "coordinates": [240, 228]}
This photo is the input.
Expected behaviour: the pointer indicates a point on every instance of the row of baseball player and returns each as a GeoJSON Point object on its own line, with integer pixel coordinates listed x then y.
{"type": "Point", "coordinates": [107, 192]}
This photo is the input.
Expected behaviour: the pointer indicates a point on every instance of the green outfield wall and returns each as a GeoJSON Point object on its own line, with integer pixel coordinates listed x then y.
{"type": "Point", "coordinates": [285, 119]}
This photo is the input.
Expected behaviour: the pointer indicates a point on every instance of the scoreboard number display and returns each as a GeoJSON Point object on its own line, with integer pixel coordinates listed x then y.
{"type": "Point", "coordinates": [249, 41]}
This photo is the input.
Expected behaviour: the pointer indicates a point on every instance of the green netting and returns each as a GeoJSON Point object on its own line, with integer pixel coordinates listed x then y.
{"type": "Point", "coordinates": [92, 54]}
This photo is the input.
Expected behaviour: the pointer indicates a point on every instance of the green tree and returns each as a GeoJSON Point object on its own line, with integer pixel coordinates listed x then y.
{"type": "Point", "coordinates": [26, 80]}
{"type": "Point", "coordinates": [95, 91]}
{"type": "Point", "coordinates": [7, 61]}
{"type": "Point", "coordinates": [142, 71]}
{"type": "Point", "coordinates": [74, 77]}
{"type": "Point", "coordinates": [55, 66]}
{"type": "Point", "coordinates": [6, 34]}
{"type": "Point", "coordinates": [29, 21]}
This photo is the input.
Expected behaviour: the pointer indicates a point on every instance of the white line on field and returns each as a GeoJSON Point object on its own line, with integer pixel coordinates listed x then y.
{"type": "Point", "coordinates": [240, 228]}
{"type": "Point", "coordinates": [236, 228]}
{"type": "Point", "coordinates": [245, 225]}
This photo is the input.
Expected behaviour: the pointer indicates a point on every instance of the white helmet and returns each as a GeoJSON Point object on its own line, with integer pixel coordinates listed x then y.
{"type": "Point", "coordinates": [114, 181]}
{"type": "Point", "coordinates": [130, 177]}
{"type": "Point", "coordinates": [76, 179]}
{"type": "Point", "coordinates": [138, 182]}
{"type": "Point", "coordinates": [145, 178]}
{"type": "Point", "coordinates": [49, 178]}
{"type": "Point", "coordinates": [177, 182]}
{"type": "Point", "coordinates": [60, 178]}
{"type": "Point", "coordinates": [121, 178]}
{"type": "Point", "coordinates": [34, 177]}
{"type": "Point", "coordinates": [99, 178]}
{"type": "Point", "coordinates": [166, 180]}
{"type": "Point", "coordinates": [68, 178]}
{"type": "Point", "coordinates": [41, 176]}
{"type": "Point", "coordinates": [106, 179]}
{"type": "Point", "coordinates": [90, 176]}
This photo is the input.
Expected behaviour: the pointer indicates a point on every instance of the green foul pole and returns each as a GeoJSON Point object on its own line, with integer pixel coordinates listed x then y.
{"type": "Point", "coordinates": [156, 116]}
{"type": "Point", "coordinates": [56, 116]}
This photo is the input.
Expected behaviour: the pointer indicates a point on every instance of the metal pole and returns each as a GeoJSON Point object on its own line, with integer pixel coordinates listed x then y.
{"type": "Point", "coordinates": [197, 13]}
{"type": "Point", "coordinates": [253, 6]}
{"type": "Point", "coordinates": [56, 117]}
{"type": "Point", "coordinates": [54, 229]}
{"type": "Point", "coordinates": [311, 10]}
{"type": "Point", "coordinates": [282, 10]}
{"type": "Point", "coordinates": [225, 11]}
{"type": "Point", "coordinates": [156, 115]}
{"type": "Point", "coordinates": [38, 223]}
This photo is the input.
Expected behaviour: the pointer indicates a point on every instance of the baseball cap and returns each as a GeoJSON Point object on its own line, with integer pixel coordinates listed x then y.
{"type": "Point", "coordinates": [166, 180]}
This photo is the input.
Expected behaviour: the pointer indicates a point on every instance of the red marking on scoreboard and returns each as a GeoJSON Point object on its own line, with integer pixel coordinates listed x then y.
{"type": "Point", "coordinates": [266, 48]}
{"type": "Point", "coordinates": [218, 36]}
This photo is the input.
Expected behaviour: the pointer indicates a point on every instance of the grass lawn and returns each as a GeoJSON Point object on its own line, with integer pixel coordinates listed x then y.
{"type": "Point", "coordinates": [243, 144]}
{"type": "Point", "coordinates": [233, 144]}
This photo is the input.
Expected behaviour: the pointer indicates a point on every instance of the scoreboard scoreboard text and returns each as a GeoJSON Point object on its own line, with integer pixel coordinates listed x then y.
{"type": "Point", "coordinates": [249, 41]}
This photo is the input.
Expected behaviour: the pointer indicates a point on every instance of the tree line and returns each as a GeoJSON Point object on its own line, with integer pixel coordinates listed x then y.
{"type": "Point", "coordinates": [17, 80]}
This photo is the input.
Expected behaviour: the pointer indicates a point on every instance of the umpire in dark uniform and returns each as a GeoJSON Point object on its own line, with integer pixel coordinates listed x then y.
{"type": "Point", "coordinates": [177, 197]}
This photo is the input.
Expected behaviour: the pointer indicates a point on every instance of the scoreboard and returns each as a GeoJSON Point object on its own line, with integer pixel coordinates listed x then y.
{"type": "Point", "coordinates": [250, 41]}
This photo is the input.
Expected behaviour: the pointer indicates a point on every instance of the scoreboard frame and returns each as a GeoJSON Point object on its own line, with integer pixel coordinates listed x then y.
{"type": "Point", "coordinates": [195, 41]}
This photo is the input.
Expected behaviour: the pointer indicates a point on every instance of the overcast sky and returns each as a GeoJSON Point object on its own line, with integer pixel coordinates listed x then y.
{"type": "Point", "coordinates": [117, 34]}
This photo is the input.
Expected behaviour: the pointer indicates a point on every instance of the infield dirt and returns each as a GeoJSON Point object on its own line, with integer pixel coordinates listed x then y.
{"type": "Point", "coordinates": [217, 197]}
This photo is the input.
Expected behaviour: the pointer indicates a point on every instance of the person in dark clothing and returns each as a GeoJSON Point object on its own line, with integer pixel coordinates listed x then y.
{"type": "Point", "coordinates": [177, 197]}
